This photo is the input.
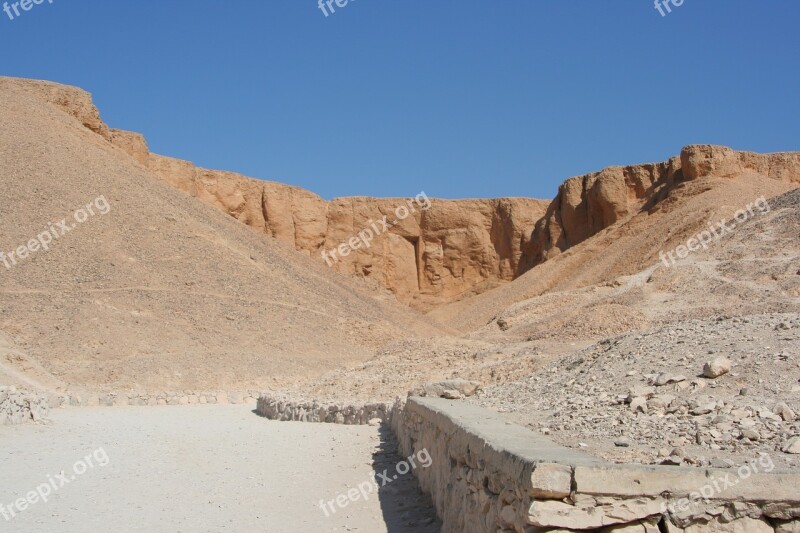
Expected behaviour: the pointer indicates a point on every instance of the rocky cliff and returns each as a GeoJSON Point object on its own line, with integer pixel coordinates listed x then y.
{"type": "Point", "coordinates": [437, 251]}
{"type": "Point", "coordinates": [586, 205]}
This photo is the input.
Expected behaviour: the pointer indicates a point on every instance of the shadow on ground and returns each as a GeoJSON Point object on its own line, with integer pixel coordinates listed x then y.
{"type": "Point", "coordinates": [405, 508]}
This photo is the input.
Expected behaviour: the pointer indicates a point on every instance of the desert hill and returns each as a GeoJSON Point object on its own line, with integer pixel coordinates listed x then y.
{"type": "Point", "coordinates": [145, 287]}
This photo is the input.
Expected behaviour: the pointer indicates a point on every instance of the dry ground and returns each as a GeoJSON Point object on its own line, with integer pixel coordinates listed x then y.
{"type": "Point", "coordinates": [202, 469]}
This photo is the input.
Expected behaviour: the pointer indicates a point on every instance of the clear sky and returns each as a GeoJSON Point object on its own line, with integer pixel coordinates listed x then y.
{"type": "Point", "coordinates": [458, 98]}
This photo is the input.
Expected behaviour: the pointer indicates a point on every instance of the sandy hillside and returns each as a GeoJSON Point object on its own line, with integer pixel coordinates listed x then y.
{"type": "Point", "coordinates": [155, 290]}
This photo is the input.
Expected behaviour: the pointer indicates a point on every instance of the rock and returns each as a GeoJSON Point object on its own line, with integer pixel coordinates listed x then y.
{"type": "Point", "coordinates": [556, 514]}
{"type": "Point", "coordinates": [622, 442]}
{"type": "Point", "coordinates": [666, 379]}
{"type": "Point", "coordinates": [792, 447]}
{"type": "Point", "coordinates": [785, 412]}
{"type": "Point", "coordinates": [704, 409]}
{"type": "Point", "coordinates": [742, 525]}
{"type": "Point", "coordinates": [640, 391]}
{"type": "Point", "coordinates": [453, 388]}
{"type": "Point", "coordinates": [787, 526]}
{"type": "Point", "coordinates": [660, 401]}
{"type": "Point", "coordinates": [551, 481]}
{"type": "Point", "coordinates": [751, 434]}
{"type": "Point", "coordinates": [716, 462]}
{"type": "Point", "coordinates": [639, 405]}
{"type": "Point", "coordinates": [717, 367]}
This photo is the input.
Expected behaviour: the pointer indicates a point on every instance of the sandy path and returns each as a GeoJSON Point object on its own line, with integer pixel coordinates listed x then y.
{"type": "Point", "coordinates": [199, 468]}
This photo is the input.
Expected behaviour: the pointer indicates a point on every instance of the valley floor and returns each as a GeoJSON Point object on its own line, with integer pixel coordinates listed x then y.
{"type": "Point", "coordinates": [199, 468]}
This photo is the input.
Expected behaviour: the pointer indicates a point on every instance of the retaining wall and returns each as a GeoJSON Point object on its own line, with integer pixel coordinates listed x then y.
{"type": "Point", "coordinates": [17, 407]}
{"type": "Point", "coordinates": [276, 408]}
{"type": "Point", "coordinates": [120, 399]}
{"type": "Point", "coordinates": [489, 475]}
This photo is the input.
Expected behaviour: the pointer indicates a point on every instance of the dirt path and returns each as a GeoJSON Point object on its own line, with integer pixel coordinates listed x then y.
{"type": "Point", "coordinates": [199, 468]}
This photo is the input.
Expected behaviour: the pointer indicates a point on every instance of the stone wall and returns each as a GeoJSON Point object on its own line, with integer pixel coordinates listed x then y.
{"type": "Point", "coordinates": [18, 407]}
{"type": "Point", "coordinates": [121, 399]}
{"type": "Point", "coordinates": [490, 475]}
{"type": "Point", "coordinates": [276, 408]}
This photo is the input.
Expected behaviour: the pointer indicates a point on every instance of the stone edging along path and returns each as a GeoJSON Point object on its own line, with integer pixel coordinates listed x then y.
{"type": "Point", "coordinates": [18, 407]}
{"type": "Point", "coordinates": [490, 475]}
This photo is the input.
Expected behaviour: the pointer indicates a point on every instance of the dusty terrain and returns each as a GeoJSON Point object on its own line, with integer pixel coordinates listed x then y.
{"type": "Point", "coordinates": [162, 291]}
{"type": "Point", "coordinates": [684, 417]}
{"type": "Point", "coordinates": [202, 468]}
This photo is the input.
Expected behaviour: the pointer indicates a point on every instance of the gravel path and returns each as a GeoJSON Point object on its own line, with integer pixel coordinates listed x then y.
{"type": "Point", "coordinates": [200, 468]}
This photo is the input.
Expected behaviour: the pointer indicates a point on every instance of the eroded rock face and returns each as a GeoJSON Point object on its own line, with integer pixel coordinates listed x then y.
{"type": "Point", "coordinates": [586, 205]}
{"type": "Point", "coordinates": [438, 251]}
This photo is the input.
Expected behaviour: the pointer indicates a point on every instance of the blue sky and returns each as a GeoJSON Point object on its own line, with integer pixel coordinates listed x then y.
{"type": "Point", "coordinates": [458, 98]}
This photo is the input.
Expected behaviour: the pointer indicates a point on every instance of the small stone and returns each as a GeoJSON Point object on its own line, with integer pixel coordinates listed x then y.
{"type": "Point", "coordinates": [704, 409]}
{"type": "Point", "coordinates": [666, 379]}
{"type": "Point", "coordinates": [751, 434]}
{"type": "Point", "coordinates": [660, 401]}
{"type": "Point", "coordinates": [640, 391]}
{"type": "Point", "coordinates": [639, 405]}
{"type": "Point", "coordinates": [717, 367]}
{"type": "Point", "coordinates": [622, 442]}
{"type": "Point", "coordinates": [716, 462]}
{"type": "Point", "coordinates": [792, 447]}
{"type": "Point", "coordinates": [784, 411]}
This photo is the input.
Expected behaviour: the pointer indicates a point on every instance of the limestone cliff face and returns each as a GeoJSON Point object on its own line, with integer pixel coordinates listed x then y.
{"type": "Point", "coordinates": [586, 205]}
{"type": "Point", "coordinates": [440, 250]}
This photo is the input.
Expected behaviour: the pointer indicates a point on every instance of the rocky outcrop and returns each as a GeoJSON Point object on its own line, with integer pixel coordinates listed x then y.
{"type": "Point", "coordinates": [438, 251]}
{"type": "Point", "coordinates": [586, 205]}
{"type": "Point", "coordinates": [702, 160]}
{"type": "Point", "coordinates": [18, 407]}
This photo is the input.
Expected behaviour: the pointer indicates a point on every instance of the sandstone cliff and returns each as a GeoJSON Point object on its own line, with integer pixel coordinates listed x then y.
{"type": "Point", "coordinates": [442, 249]}
{"type": "Point", "coordinates": [586, 205]}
